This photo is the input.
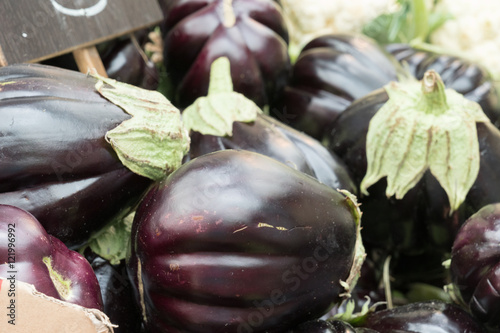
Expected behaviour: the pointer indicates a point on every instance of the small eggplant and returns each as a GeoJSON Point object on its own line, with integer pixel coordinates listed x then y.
{"type": "Point", "coordinates": [425, 219]}
{"type": "Point", "coordinates": [234, 241]}
{"type": "Point", "coordinates": [423, 317]}
{"type": "Point", "coordinates": [29, 254]}
{"type": "Point", "coordinates": [251, 33]}
{"type": "Point", "coordinates": [475, 265]}
{"type": "Point", "coordinates": [54, 159]}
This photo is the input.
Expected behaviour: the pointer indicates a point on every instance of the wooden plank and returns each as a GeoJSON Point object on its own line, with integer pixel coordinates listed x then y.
{"type": "Point", "coordinates": [31, 31]}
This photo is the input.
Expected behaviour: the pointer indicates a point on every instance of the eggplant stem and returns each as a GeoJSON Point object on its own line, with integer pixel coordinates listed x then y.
{"type": "Point", "coordinates": [387, 282]}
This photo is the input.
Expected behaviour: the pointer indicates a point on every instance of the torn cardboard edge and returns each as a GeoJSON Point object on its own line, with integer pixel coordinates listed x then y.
{"type": "Point", "coordinates": [27, 310]}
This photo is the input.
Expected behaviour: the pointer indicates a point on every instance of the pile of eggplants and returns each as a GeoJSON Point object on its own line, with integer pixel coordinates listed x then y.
{"type": "Point", "coordinates": [258, 230]}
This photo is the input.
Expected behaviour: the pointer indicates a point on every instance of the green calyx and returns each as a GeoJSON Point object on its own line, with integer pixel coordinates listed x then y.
{"type": "Point", "coordinates": [153, 142]}
{"type": "Point", "coordinates": [62, 285]}
{"type": "Point", "coordinates": [359, 249]}
{"type": "Point", "coordinates": [424, 126]}
{"type": "Point", "coordinates": [215, 113]}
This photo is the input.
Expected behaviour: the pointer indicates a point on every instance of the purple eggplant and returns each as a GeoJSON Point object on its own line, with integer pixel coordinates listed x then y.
{"type": "Point", "coordinates": [423, 317]}
{"type": "Point", "coordinates": [419, 227]}
{"type": "Point", "coordinates": [31, 255]}
{"type": "Point", "coordinates": [234, 241]}
{"type": "Point", "coordinates": [251, 33]}
{"type": "Point", "coordinates": [329, 74]}
{"type": "Point", "coordinates": [117, 293]}
{"type": "Point", "coordinates": [334, 70]}
{"type": "Point", "coordinates": [54, 159]}
{"type": "Point", "coordinates": [475, 265]}
{"type": "Point", "coordinates": [258, 133]}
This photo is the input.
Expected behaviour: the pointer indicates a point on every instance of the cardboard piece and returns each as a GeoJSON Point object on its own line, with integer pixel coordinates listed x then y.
{"type": "Point", "coordinates": [24, 309]}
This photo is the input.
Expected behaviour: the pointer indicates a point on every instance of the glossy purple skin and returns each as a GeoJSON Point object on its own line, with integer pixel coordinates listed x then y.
{"type": "Point", "coordinates": [424, 317]}
{"type": "Point", "coordinates": [475, 264]}
{"type": "Point", "coordinates": [19, 230]}
{"type": "Point", "coordinates": [55, 161]}
{"type": "Point", "coordinates": [469, 79]}
{"type": "Point", "coordinates": [222, 243]}
{"type": "Point", "coordinates": [256, 45]}
{"type": "Point", "coordinates": [329, 74]}
{"type": "Point", "coordinates": [273, 138]}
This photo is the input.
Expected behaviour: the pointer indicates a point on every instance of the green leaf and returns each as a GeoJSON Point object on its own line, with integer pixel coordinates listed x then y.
{"type": "Point", "coordinates": [113, 242]}
{"type": "Point", "coordinates": [153, 142]}
{"type": "Point", "coordinates": [424, 127]}
{"type": "Point", "coordinates": [215, 113]}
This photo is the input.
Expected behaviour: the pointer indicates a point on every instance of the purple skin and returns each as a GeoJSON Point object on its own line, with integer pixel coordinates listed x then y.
{"type": "Point", "coordinates": [323, 326]}
{"type": "Point", "coordinates": [272, 138]}
{"type": "Point", "coordinates": [423, 317]}
{"type": "Point", "coordinates": [27, 246]}
{"type": "Point", "coordinates": [329, 74]}
{"type": "Point", "coordinates": [55, 162]}
{"type": "Point", "coordinates": [475, 264]}
{"type": "Point", "coordinates": [221, 246]}
{"type": "Point", "coordinates": [334, 70]}
{"type": "Point", "coordinates": [256, 45]}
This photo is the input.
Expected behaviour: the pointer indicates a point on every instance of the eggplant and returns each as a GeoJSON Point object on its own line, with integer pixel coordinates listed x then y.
{"type": "Point", "coordinates": [423, 317]}
{"type": "Point", "coordinates": [334, 70]}
{"type": "Point", "coordinates": [329, 74]}
{"type": "Point", "coordinates": [54, 159]}
{"type": "Point", "coordinates": [258, 133]}
{"type": "Point", "coordinates": [475, 265]}
{"type": "Point", "coordinates": [30, 255]}
{"type": "Point", "coordinates": [235, 241]}
{"type": "Point", "coordinates": [251, 33]}
{"type": "Point", "coordinates": [420, 225]}
{"type": "Point", "coordinates": [117, 293]}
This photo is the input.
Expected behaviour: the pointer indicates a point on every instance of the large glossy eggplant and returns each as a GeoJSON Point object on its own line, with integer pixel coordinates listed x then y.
{"type": "Point", "coordinates": [424, 220]}
{"type": "Point", "coordinates": [475, 265]}
{"type": "Point", "coordinates": [54, 159]}
{"type": "Point", "coordinates": [29, 254]}
{"type": "Point", "coordinates": [251, 33]}
{"type": "Point", "coordinates": [334, 70]}
{"type": "Point", "coordinates": [235, 241]}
